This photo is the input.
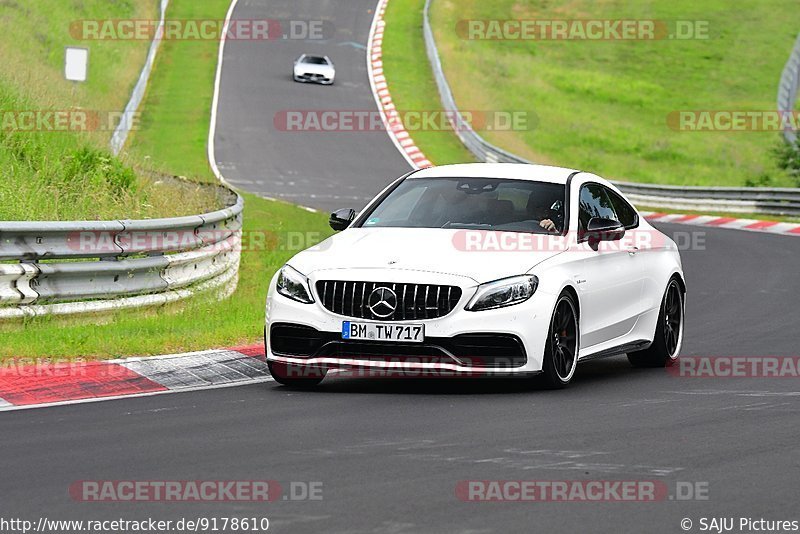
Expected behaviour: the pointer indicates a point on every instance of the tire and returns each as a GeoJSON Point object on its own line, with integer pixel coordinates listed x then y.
{"type": "Point", "coordinates": [562, 345]}
{"type": "Point", "coordinates": [296, 376]}
{"type": "Point", "coordinates": [668, 338]}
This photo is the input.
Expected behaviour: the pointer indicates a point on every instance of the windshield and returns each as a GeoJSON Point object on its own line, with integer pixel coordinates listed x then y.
{"type": "Point", "coordinates": [473, 203]}
{"type": "Point", "coordinates": [315, 60]}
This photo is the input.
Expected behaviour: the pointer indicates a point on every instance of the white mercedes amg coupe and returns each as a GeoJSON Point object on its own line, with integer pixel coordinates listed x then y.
{"type": "Point", "coordinates": [479, 270]}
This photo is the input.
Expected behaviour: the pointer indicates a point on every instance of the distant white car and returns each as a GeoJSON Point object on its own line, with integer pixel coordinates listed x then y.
{"type": "Point", "coordinates": [483, 269]}
{"type": "Point", "coordinates": [316, 69]}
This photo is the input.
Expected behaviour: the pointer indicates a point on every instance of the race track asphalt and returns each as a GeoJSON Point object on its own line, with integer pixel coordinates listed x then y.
{"type": "Point", "coordinates": [320, 169]}
{"type": "Point", "coordinates": [390, 453]}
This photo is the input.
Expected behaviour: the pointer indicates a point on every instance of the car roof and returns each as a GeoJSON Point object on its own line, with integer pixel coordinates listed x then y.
{"type": "Point", "coordinates": [511, 171]}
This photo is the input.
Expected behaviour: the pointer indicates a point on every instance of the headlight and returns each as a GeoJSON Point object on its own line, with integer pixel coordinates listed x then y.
{"type": "Point", "coordinates": [505, 292]}
{"type": "Point", "coordinates": [294, 285]}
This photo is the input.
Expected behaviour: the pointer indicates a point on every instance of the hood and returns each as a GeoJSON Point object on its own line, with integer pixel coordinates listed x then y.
{"type": "Point", "coordinates": [480, 255]}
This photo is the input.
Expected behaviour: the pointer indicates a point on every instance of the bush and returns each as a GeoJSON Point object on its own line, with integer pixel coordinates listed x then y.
{"type": "Point", "coordinates": [788, 156]}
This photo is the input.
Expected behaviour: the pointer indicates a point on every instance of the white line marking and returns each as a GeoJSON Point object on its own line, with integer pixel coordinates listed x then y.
{"type": "Point", "coordinates": [212, 128]}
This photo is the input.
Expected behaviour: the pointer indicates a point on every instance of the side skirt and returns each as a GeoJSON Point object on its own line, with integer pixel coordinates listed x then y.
{"type": "Point", "coordinates": [620, 349]}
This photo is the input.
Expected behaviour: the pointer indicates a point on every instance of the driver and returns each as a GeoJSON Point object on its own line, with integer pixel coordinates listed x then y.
{"type": "Point", "coordinates": [539, 208]}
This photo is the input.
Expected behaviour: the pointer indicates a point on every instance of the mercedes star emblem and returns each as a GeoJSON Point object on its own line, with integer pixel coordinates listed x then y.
{"type": "Point", "coordinates": [382, 302]}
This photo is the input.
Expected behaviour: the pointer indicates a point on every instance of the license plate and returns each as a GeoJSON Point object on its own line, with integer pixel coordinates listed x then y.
{"type": "Point", "coordinates": [408, 333]}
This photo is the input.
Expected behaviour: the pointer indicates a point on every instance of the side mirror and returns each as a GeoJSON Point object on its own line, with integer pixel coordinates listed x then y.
{"type": "Point", "coordinates": [341, 219]}
{"type": "Point", "coordinates": [603, 229]}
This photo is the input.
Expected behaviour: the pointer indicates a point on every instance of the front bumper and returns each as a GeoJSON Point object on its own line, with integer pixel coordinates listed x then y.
{"type": "Point", "coordinates": [504, 341]}
{"type": "Point", "coordinates": [310, 77]}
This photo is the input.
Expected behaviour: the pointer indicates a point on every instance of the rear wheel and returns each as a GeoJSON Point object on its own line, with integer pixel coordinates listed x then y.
{"type": "Point", "coordinates": [668, 339]}
{"type": "Point", "coordinates": [296, 376]}
{"type": "Point", "coordinates": [561, 349]}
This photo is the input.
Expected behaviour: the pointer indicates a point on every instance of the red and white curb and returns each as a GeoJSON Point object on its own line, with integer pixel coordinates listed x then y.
{"type": "Point", "coordinates": [59, 383]}
{"type": "Point", "coordinates": [751, 225]}
{"type": "Point", "coordinates": [380, 90]}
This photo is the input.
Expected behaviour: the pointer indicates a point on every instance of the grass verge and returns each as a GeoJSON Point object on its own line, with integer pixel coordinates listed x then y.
{"type": "Point", "coordinates": [173, 132]}
{"type": "Point", "coordinates": [406, 66]}
{"type": "Point", "coordinates": [603, 106]}
{"type": "Point", "coordinates": [50, 171]}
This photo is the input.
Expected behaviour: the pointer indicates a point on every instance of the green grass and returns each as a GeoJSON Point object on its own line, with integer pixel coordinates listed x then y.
{"type": "Point", "coordinates": [71, 175]}
{"type": "Point", "coordinates": [200, 322]}
{"type": "Point", "coordinates": [174, 131]}
{"type": "Point", "coordinates": [603, 106]}
{"type": "Point", "coordinates": [32, 46]}
{"type": "Point", "coordinates": [411, 83]}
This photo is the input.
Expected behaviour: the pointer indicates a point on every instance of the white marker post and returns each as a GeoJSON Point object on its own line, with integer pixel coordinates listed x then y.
{"type": "Point", "coordinates": [76, 65]}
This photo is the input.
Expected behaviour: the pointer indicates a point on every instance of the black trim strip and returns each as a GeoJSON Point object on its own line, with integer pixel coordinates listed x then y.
{"type": "Point", "coordinates": [567, 207]}
{"type": "Point", "coordinates": [621, 349]}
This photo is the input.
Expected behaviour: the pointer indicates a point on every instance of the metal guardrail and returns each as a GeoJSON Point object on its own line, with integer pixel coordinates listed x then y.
{"type": "Point", "coordinates": [81, 262]}
{"type": "Point", "coordinates": [773, 201]}
{"type": "Point", "coordinates": [789, 85]}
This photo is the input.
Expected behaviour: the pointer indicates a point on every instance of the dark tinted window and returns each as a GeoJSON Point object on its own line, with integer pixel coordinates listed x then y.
{"type": "Point", "coordinates": [315, 60]}
{"type": "Point", "coordinates": [480, 203]}
{"type": "Point", "coordinates": [625, 212]}
{"type": "Point", "coordinates": [594, 202]}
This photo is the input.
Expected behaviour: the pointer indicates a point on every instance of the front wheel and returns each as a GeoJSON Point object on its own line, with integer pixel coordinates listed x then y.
{"type": "Point", "coordinates": [668, 339]}
{"type": "Point", "coordinates": [296, 376]}
{"type": "Point", "coordinates": [561, 348]}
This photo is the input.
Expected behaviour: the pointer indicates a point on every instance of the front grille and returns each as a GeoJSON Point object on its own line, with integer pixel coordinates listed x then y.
{"type": "Point", "coordinates": [410, 301]}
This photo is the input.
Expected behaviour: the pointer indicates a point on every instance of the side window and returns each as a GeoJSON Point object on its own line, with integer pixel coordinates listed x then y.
{"type": "Point", "coordinates": [625, 212]}
{"type": "Point", "coordinates": [594, 202]}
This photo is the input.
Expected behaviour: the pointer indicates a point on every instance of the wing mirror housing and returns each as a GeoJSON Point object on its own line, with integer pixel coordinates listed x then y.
{"type": "Point", "coordinates": [604, 229]}
{"type": "Point", "coordinates": [341, 219]}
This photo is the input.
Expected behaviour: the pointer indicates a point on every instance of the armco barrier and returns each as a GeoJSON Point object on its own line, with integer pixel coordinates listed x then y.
{"type": "Point", "coordinates": [773, 201]}
{"type": "Point", "coordinates": [788, 87]}
{"type": "Point", "coordinates": [126, 264]}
